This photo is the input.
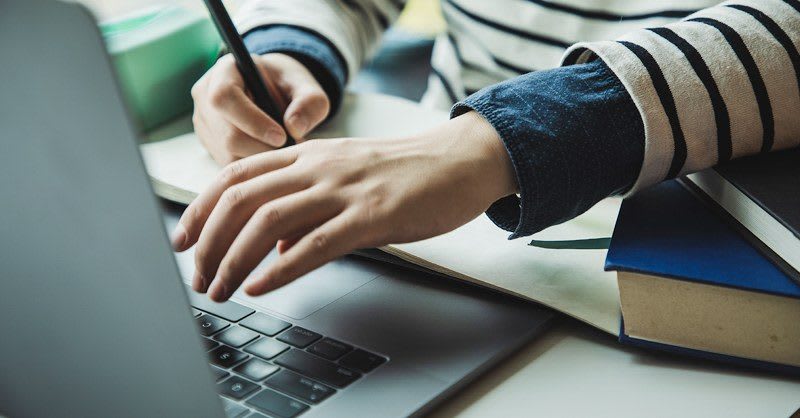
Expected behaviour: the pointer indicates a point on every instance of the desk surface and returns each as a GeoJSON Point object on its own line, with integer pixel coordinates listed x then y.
{"type": "Point", "coordinates": [575, 371]}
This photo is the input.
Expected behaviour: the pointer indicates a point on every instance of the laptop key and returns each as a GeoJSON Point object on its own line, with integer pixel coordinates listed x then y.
{"type": "Point", "coordinates": [256, 369]}
{"type": "Point", "coordinates": [196, 313]}
{"type": "Point", "coordinates": [209, 324]}
{"type": "Point", "coordinates": [362, 361]}
{"type": "Point", "coordinates": [226, 357]}
{"type": "Point", "coordinates": [236, 387]}
{"type": "Point", "coordinates": [236, 336]}
{"type": "Point", "coordinates": [298, 386]}
{"type": "Point", "coordinates": [266, 348]}
{"type": "Point", "coordinates": [218, 373]}
{"type": "Point", "coordinates": [299, 337]}
{"type": "Point", "coordinates": [317, 368]}
{"type": "Point", "coordinates": [231, 311]}
{"type": "Point", "coordinates": [265, 324]}
{"type": "Point", "coordinates": [256, 415]}
{"type": "Point", "coordinates": [274, 403]}
{"type": "Point", "coordinates": [329, 348]}
{"type": "Point", "coordinates": [233, 409]}
{"type": "Point", "coordinates": [209, 344]}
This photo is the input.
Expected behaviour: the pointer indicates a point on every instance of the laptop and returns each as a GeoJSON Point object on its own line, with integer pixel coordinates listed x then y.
{"type": "Point", "coordinates": [97, 318]}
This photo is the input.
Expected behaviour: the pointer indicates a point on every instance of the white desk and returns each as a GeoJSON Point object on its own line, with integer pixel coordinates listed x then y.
{"type": "Point", "coordinates": [577, 371]}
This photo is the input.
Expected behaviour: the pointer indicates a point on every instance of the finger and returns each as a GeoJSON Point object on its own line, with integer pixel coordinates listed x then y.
{"type": "Point", "coordinates": [280, 218]}
{"type": "Point", "coordinates": [286, 244]}
{"type": "Point", "coordinates": [237, 144]}
{"type": "Point", "coordinates": [227, 143]}
{"type": "Point", "coordinates": [244, 146]}
{"type": "Point", "coordinates": [199, 87]}
{"type": "Point", "coordinates": [200, 127]}
{"type": "Point", "coordinates": [195, 216]}
{"type": "Point", "coordinates": [333, 239]}
{"type": "Point", "coordinates": [309, 106]}
{"type": "Point", "coordinates": [238, 109]}
{"type": "Point", "coordinates": [235, 207]}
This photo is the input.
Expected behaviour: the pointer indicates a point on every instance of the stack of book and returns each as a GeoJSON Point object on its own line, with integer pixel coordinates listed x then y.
{"type": "Point", "coordinates": [708, 266]}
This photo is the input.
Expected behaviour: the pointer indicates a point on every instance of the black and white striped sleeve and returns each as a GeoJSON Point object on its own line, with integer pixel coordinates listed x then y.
{"type": "Point", "coordinates": [352, 26]}
{"type": "Point", "coordinates": [720, 84]}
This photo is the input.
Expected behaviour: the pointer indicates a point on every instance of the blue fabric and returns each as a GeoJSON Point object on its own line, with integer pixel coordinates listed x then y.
{"type": "Point", "coordinates": [315, 52]}
{"type": "Point", "coordinates": [574, 137]}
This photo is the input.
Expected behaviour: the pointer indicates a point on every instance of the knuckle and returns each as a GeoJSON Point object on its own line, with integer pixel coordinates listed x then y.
{"type": "Point", "coordinates": [320, 241]}
{"type": "Point", "coordinates": [269, 216]}
{"type": "Point", "coordinates": [197, 90]}
{"type": "Point", "coordinates": [234, 173]}
{"type": "Point", "coordinates": [233, 197]}
{"type": "Point", "coordinates": [191, 216]}
{"type": "Point", "coordinates": [218, 96]}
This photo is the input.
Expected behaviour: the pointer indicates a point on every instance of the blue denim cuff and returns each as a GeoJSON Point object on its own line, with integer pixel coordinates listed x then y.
{"type": "Point", "coordinates": [314, 51]}
{"type": "Point", "coordinates": [574, 137]}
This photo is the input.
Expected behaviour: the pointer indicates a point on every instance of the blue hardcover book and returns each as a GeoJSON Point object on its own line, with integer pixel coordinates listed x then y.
{"type": "Point", "coordinates": [689, 283]}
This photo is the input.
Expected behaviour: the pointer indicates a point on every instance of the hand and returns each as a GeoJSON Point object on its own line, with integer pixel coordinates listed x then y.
{"type": "Point", "coordinates": [231, 126]}
{"type": "Point", "coordinates": [322, 199]}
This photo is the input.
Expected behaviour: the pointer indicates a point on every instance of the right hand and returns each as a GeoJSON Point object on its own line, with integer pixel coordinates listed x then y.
{"type": "Point", "coordinates": [230, 126]}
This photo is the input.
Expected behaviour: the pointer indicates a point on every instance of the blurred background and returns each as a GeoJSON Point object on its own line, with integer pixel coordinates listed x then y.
{"type": "Point", "coordinates": [161, 47]}
{"type": "Point", "coordinates": [421, 16]}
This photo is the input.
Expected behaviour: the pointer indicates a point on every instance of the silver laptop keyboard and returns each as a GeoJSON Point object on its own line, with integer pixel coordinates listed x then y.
{"type": "Point", "coordinates": [265, 366]}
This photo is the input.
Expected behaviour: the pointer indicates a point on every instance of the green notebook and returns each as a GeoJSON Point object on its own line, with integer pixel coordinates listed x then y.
{"type": "Point", "coordinates": [159, 53]}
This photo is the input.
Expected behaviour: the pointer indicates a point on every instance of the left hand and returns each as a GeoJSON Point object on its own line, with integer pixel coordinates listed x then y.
{"type": "Point", "coordinates": [322, 199]}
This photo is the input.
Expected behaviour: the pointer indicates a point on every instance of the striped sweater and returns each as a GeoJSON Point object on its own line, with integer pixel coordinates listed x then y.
{"type": "Point", "coordinates": [710, 81]}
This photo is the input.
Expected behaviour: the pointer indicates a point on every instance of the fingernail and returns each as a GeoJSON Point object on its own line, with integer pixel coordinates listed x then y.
{"type": "Point", "coordinates": [179, 237]}
{"type": "Point", "coordinates": [300, 125]}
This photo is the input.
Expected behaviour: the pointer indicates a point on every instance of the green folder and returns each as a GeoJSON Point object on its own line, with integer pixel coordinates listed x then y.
{"type": "Point", "coordinates": [159, 54]}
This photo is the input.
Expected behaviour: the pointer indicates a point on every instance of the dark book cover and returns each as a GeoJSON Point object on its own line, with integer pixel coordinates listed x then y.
{"type": "Point", "coordinates": [667, 231]}
{"type": "Point", "coordinates": [772, 181]}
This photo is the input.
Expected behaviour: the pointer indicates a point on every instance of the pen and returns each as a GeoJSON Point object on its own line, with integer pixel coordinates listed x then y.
{"type": "Point", "coordinates": [252, 77]}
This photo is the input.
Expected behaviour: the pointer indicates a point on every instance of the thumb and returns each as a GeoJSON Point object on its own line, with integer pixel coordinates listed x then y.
{"type": "Point", "coordinates": [309, 106]}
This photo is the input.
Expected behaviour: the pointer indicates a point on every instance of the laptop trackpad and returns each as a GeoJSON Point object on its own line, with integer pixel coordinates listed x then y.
{"type": "Point", "coordinates": [305, 295]}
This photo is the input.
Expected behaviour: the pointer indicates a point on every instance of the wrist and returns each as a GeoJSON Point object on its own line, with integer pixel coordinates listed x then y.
{"type": "Point", "coordinates": [494, 161]}
{"type": "Point", "coordinates": [478, 156]}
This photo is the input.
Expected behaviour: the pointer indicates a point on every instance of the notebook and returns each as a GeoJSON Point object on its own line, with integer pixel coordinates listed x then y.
{"type": "Point", "coordinates": [569, 280]}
